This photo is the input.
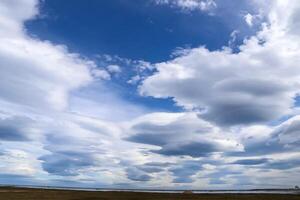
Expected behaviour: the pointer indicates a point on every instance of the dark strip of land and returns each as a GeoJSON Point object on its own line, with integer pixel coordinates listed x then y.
{"type": "Point", "coordinates": [52, 194]}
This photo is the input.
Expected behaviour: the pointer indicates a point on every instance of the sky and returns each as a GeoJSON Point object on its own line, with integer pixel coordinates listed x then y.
{"type": "Point", "coordinates": [148, 94]}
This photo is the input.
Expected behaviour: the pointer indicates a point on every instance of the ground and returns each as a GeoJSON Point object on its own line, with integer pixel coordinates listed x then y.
{"type": "Point", "coordinates": [43, 194]}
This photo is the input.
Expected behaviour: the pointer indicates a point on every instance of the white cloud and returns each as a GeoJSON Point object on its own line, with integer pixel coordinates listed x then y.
{"type": "Point", "coordinates": [115, 69]}
{"type": "Point", "coordinates": [36, 73]}
{"type": "Point", "coordinates": [181, 134]}
{"type": "Point", "coordinates": [203, 5]}
{"type": "Point", "coordinates": [38, 84]}
{"type": "Point", "coordinates": [249, 19]}
{"type": "Point", "coordinates": [12, 16]}
{"type": "Point", "coordinates": [101, 74]}
{"type": "Point", "coordinates": [134, 80]}
{"type": "Point", "coordinates": [18, 162]}
{"type": "Point", "coordinates": [255, 85]}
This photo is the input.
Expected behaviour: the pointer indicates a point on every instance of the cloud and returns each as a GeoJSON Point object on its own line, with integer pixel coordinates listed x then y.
{"type": "Point", "coordinates": [202, 148]}
{"type": "Point", "coordinates": [12, 23]}
{"type": "Point", "coordinates": [102, 74]}
{"type": "Point", "coordinates": [184, 173]}
{"type": "Point", "coordinates": [150, 169]}
{"type": "Point", "coordinates": [15, 161]}
{"type": "Point", "coordinates": [270, 164]}
{"type": "Point", "coordinates": [137, 175]}
{"type": "Point", "coordinates": [217, 181]}
{"type": "Point", "coordinates": [29, 76]}
{"type": "Point", "coordinates": [249, 19]}
{"type": "Point", "coordinates": [288, 132]}
{"type": "Point", "coordinates": [53, 103]}
{"type": "Point", "coordinates": [45, 131]}
{"type": "Point", "coordinates": [136, 69]}
{"type": "Point", "coordinates": [283, 164]}
{"type": "Point", "coordinates": [263, 140]}
{"type": "Point", "coordinates": [158, 164]}
{"type": "Point", "coordinates": [104, 102]}
{"type": "Point", "coordinates": [37, 79]}
{"type": "Point", "coordinates": [251, 161]}
{"type": "Point", "coordinates": [222, 175]}
{"type": "Point", "coordinates": [40, 84]}
{"type": "Point", "coordinates": [180, 134]}
{"type": "Point", "coordinates": [16, 129]}
{"type": "Point", "coordinates": [11, 179]}
{"type": "Point", "coordinates": [161, 128]}
{"type": "Point", "coordinates": [115, 69]}
{"type": "Point", "coordinates": [223, 89]}
{"type": "Point", "coordinates": [75, 146]}
{"type": "Point", "coordinates": [29, 67]}
{"type": "Point", "coordinates": [257, 84]}
{"type": "Point", "coordinates": [189, 5]}
{"type": "Point", "coordinates": [66, 163]}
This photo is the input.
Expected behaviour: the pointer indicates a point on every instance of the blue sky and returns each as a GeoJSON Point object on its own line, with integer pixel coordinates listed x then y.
{"type": "Point", "coordinates": [175, 94]}
{"type": "Point", "coordinates": [134, 30]}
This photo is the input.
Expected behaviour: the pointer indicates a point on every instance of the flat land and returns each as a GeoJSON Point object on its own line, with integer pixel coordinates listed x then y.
{"type": "Point", "coordinates": [47, 194]}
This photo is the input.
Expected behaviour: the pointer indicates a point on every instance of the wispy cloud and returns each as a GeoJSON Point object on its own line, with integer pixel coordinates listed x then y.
{"type": "Point", "coordinates": [189, 5]}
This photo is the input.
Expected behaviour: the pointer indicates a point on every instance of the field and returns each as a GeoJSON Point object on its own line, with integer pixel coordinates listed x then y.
{"type": "Point", "coordinates": [43, 194]}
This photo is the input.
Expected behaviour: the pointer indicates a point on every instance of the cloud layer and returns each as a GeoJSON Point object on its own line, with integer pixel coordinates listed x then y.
{"type": "Point", "coordinates": [238, 126]}
{"type": "Point", "coordinates": [256, 85]}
